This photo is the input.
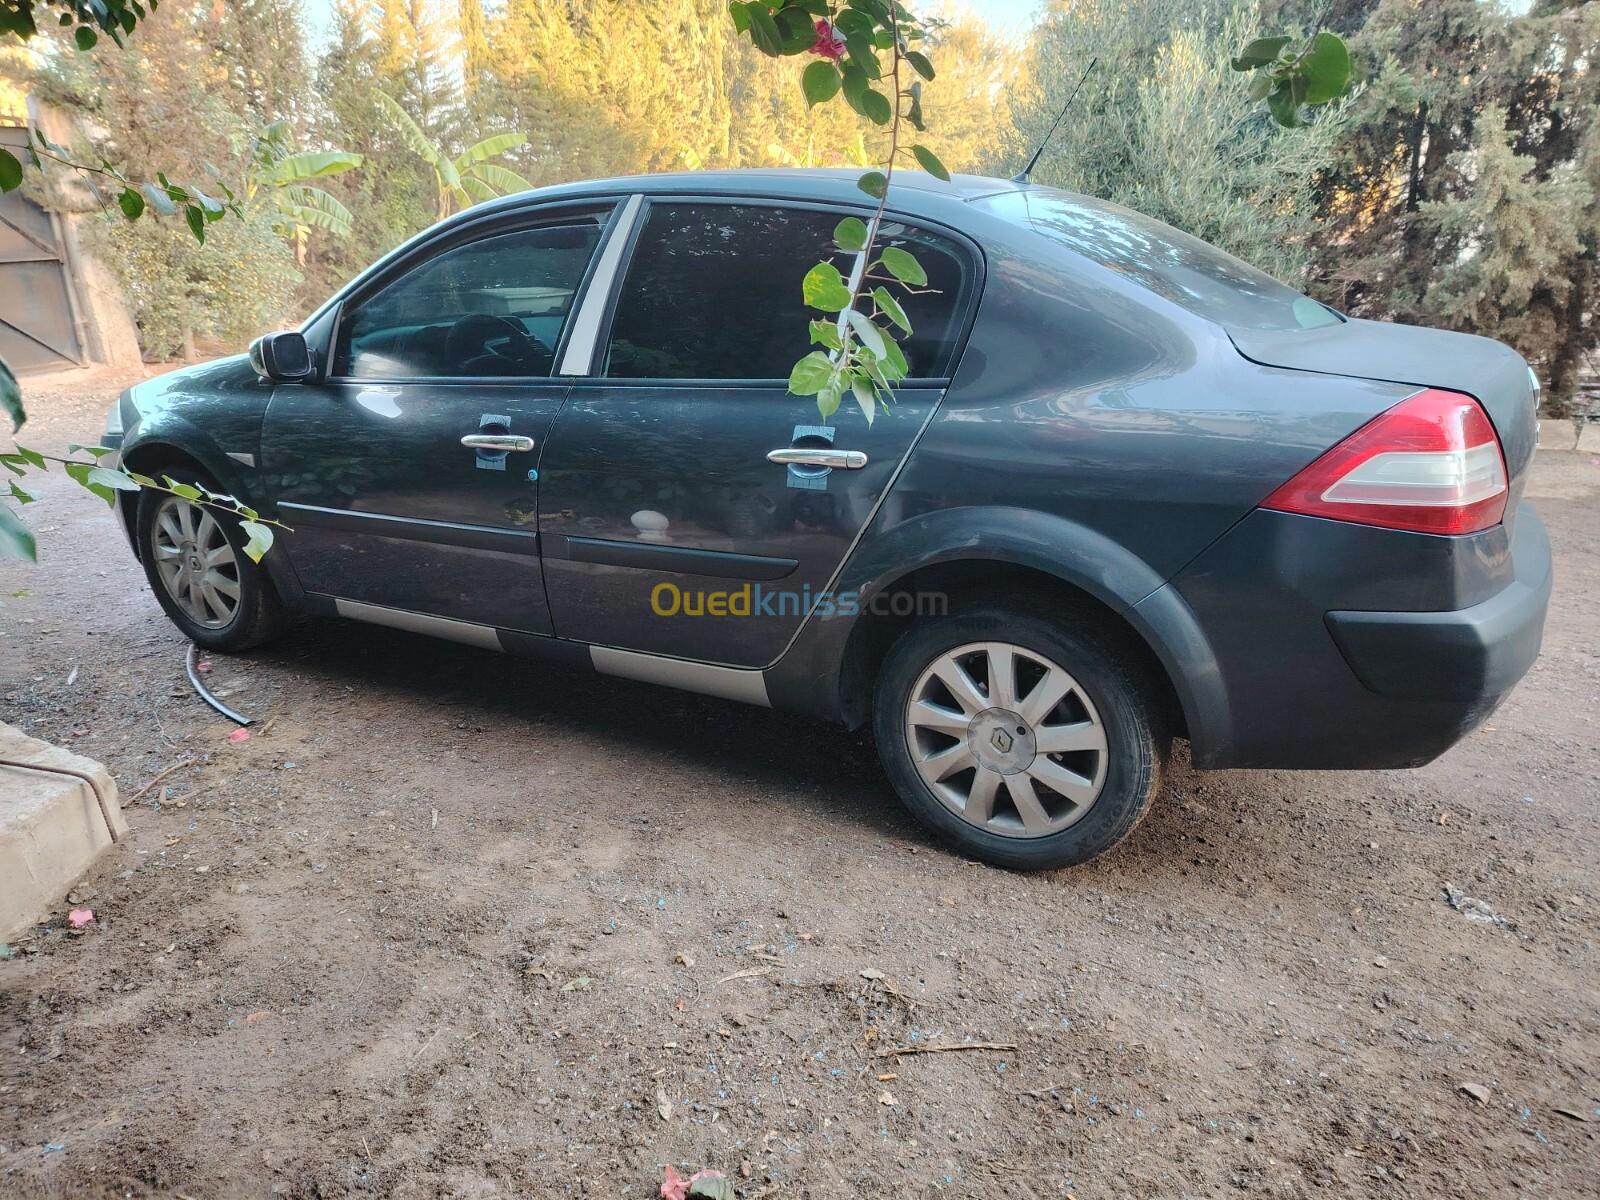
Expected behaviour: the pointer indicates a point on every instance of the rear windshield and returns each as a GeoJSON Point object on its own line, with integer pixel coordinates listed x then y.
{"type": "Point", "coordinates": [1174, 265]}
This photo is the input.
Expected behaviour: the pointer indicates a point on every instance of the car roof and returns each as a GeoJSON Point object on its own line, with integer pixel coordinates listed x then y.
{"type": "Point", "coordinates": [911, 189]}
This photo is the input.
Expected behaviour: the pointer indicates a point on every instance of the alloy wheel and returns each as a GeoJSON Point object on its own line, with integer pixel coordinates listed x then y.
{"type": "Point", "coordinates": [1006, 739]}
{"type": "Point", "coordinates": [196, 562]}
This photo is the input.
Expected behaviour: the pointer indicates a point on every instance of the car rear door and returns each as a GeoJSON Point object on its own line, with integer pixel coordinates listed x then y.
{"type": "Point", "coordinates": [409, 474]}
{"type": "Point", "coordinates": [665, 526]}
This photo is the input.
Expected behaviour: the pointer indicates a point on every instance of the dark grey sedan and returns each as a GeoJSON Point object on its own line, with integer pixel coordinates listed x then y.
{"type": "Point", "coordinates": [1133, 489]}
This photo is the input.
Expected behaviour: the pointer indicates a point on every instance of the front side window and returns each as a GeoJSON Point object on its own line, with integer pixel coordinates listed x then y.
{"type": "Point", "coordinates": [713, 292]}
{"type": "Point", "coordinates": [488, 309]}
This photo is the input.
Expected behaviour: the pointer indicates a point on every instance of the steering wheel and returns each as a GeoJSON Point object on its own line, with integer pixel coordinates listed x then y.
{"type": "Point", "coordinates": [468, 345]}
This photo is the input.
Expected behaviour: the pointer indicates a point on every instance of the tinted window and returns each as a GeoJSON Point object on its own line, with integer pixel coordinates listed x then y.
{"type": "Point", "coordinates": [493, 307]}
{"type": "Point", "coordinates": [713, 292]}
{"type": "Point", "coordinates": [1169, 262]}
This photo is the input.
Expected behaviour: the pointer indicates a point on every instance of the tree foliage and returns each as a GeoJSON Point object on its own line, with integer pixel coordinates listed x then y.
{"type": "Point", "coordinates": [1466, 190]}
{"type": "Point", "coordinates": [1170, 129]}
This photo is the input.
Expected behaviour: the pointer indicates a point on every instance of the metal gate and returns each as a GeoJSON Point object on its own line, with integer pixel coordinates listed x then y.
{"type": "Point", "coordinates": [38, 310]}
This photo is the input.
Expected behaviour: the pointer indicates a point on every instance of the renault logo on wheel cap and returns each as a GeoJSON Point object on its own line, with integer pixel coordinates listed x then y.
{"type": "Point", "coordinates": [1002, 741]}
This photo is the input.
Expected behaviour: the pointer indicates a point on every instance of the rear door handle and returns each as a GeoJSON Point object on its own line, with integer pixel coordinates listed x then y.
{"type": "Point", "coordinates": [501, 443]}
{"type": "Point", "coordinates": [842, 460]}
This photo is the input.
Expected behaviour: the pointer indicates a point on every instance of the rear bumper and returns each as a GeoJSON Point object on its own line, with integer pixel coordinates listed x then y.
{"type": "Point", "coordinates": [1343, 646]}
{"type": "Point", "coordinates": [1462, 656]}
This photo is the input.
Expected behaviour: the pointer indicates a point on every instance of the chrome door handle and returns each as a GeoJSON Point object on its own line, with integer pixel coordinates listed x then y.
{"type": "Point", "coordinates": [843, 460]}
{"type": "Point", "coordinates": [502, 443]}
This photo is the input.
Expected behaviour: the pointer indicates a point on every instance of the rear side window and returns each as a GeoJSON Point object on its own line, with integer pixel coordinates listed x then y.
{"type": "Point", "coordinates": [487, 309]}
{"type": "Point", "coordinates": [713, 292]}
{"type": "Point", "coordinates": [1208, 282]}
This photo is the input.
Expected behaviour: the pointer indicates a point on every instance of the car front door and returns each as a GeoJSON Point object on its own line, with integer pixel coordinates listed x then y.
{"type": "Point", "coordinates": [666, 527]}
{"type": "Point", "coordinates": [409, 474]}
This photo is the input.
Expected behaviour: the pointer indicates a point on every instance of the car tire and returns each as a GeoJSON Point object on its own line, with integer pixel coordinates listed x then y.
{"type": "Point", "coordinates": [211, 546]}
{"type": "Point", "coordinates": [993, 736]}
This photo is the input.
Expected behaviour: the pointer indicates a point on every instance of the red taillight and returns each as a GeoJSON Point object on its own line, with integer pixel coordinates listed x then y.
{"type": "Point", "coordinates": [1431, 464]}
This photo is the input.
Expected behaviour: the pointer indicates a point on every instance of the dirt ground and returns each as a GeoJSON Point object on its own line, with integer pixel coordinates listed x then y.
{"type": "Point", "coordinates": [451, 924]}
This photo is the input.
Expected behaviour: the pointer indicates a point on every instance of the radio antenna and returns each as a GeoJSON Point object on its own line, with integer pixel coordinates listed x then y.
{"type": "Point", "coordinates": [1034, 161]}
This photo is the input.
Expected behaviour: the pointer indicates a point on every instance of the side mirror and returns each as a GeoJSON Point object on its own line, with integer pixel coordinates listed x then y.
{"type": "Point", "coordinates": [281, 357]}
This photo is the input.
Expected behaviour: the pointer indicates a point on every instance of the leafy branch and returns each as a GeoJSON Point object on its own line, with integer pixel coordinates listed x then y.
{"type": "Point", "coordinates": [1292, 77]}
{"type": "Point", "coordinates": [860, 354]}
{"type": "Point", "coordinates": [17, 542]}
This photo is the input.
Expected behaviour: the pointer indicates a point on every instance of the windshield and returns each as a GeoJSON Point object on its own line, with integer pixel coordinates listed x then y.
{"type": "Point", "coordinates": [1172, 264]}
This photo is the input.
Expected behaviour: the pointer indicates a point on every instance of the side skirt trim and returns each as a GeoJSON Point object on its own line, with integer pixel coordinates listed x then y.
{"type": "Point", "coordinates": [483, 636]}
{"type": "Point", "coordinates": [729, 683]}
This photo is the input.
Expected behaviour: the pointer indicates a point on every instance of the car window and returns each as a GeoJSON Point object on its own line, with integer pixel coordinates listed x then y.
{"type": "Point", "coordinates": [490, 308]}
{"type": "Point", "coordinates": [713, 292]}
{"type": "Point", "coordinates": [1208, 282]}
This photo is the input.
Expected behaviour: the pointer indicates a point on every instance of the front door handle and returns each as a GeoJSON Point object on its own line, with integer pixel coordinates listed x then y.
{"type": "Point", "coordinates": [497, 443]}
{"type": "Point", "coordinates": [842, 460]}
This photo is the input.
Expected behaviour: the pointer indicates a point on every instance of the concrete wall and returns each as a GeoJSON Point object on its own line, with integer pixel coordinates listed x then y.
{"type": "Point", "coordinates": [53, 824]}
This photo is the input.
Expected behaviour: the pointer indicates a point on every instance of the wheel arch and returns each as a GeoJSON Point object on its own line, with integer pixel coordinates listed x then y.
{"type": "Point", "coordinates": [974, 555]}
{"type": "Point", "coordinates": [160, 452]}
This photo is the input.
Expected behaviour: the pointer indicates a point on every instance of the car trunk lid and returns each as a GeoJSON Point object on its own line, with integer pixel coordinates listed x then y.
{"type": "Point", "coordinates": [1491, 373]}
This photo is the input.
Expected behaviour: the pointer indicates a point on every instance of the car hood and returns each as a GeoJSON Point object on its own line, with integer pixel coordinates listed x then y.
{"type": "Point", "coordinates": [1489, 371]}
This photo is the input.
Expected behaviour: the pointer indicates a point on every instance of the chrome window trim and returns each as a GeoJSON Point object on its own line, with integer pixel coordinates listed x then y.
{"type": "Point", "coordinates": [578, 357]}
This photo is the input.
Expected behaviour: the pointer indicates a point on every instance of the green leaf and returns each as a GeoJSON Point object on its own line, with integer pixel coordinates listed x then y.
{"type": "Point", "coordinates": [295, 168]}
{"type": "Point", "coordinates": [929, 161]}
{"type": "Point", "coordinates": [20, 496]}
{"type": "Point", "coordinates": [866, 398]}
{"type": "Point", "coordinates": [186, 490]}
{"type": "Point", "coordinates": [33, 458]}
{"type": "Point", "coordinates": [875, 107]}
{"type": "Point", "coordinates": [258, 539]}
{"type": "Point", "coordinates": [890, 307]}
{"type": "Point", "coordinates": [159, 200]}
{"type": "Point", "coordinates": [821, 82]}
{"type": "Point", "coordinates": [132, 204]}
{"type": "Point", "coordinates": [505, 182]}
{"type": "Point", "coordinates": [196, 217]}
{"type": "Point", "coordinates": [894, 365]}
{"type": "Point", "coordinates": [113, 479]}
{"type": "Point", "coordinates": [410, 132]}
{"type": "Point", "coordinates": [871, 336]}
{"type": "Point", "coordinates": [1260, 86]}
{"type": "Point", "coordinates": [826, 333]}
{"type": "Point", "coordinates": [94, 451]}
{"type": "Point", "coordinates": [1259, 53]}
{"type": "Point", "coordinates": [824, 288]}
{"type": "Point", "coordinates": [491, 147]}
{"type": "Point", "coordinates": [10, 171]}
{"type": "Point", "coordinates": [904, 266]}
{"type": "Point", "coordinates": [811, 374]}
{"type": "Point", "coordinates": [920, 64]}
{"type": "Point", "coordinates": [850, 234]}
{"type": "Point", "coordinates": [1326, 68]}
{"type": "Point", "coordinates": [15, 540]}
{"type": "Point", "coordinates": [11, 397]}
{"type": "Point", "coordinates": [85, 37]}
{"type": "Point", "coordinates": [828, 401]}
{"type": "Point", "coordinates": [1281, 104]}
{"type": "Point", "coordinates": [874, 184]}
{"type": "Point", "coordinates": [764, 31]}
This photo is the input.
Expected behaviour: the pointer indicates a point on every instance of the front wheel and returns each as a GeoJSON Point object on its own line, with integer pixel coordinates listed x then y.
{"type": "Point", "coordinates": [1027, 742]}
{"type": "Point", "coordinates": [194, 558]}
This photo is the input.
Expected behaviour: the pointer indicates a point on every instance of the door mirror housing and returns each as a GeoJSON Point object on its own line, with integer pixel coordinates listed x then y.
{"type": "Point", "coordinates": [281, 357]}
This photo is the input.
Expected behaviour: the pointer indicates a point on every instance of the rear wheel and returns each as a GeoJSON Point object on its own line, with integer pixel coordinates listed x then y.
{"type": "Point", "coordinates": [194, 558]}
{"type": "Point", "coordinates": [1027, 742]}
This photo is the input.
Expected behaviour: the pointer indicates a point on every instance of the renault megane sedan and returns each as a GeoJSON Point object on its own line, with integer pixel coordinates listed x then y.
{"type": "Point", "coordinates": [1133, 489]}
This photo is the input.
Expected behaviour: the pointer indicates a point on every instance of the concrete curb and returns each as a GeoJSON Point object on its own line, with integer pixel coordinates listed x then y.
{"type": "Point", "coordinates": [58, 811]}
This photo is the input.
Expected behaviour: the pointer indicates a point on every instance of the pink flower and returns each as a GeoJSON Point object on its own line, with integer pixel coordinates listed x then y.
{"type": "Point", "coordinates": [828, 44]}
